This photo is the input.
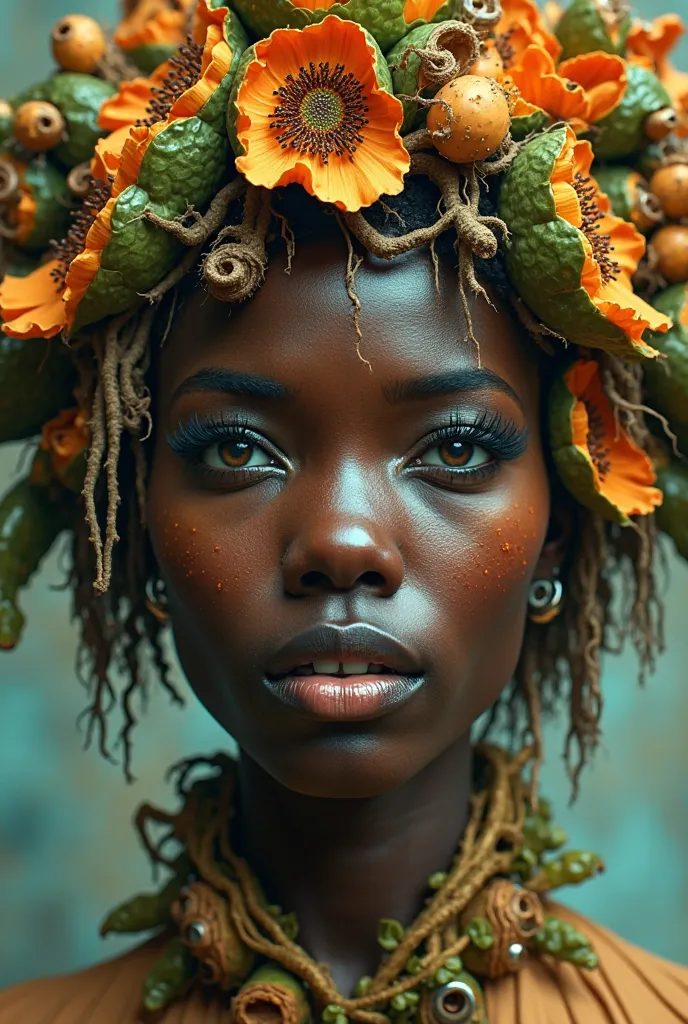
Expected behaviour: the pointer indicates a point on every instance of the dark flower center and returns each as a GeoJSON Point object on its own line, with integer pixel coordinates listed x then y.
{"type": "Point", "coordinates": [72, 245]}
{"type": "Point", "coordinates": [185, 71]}
{"type": "Point", "coordinates": [321, 112]}
{"type": "Point", "coordinates": [504, 48]}
{"type": "Point", "coordinates": [596, 441]}
{"type": "Point", "coordinates": [591, 214]}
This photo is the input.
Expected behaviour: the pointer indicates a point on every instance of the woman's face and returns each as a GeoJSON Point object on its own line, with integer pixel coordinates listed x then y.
{"type": "Point", "coordinates": [347, 539]}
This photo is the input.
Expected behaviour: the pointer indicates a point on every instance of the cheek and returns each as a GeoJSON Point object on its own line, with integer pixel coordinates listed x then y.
{"type": "Point", "coordinates": [211, 562]}
{"type": "Point", "coordinates": [487, 573]}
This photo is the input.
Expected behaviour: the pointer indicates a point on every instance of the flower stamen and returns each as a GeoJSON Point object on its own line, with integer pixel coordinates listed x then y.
{"type": "Point", "coordinates": [321, 111]}
{"type": "Point", "coordinates": [591, 216]}
{"type": "Point", "coordinates": [74, 242]}
{"type": "Point", "coordinates": [599, 452]}
{"type": "Point", "coordinates": [505, 49]}
{"type": "Point", "coordinates": [184, 73]}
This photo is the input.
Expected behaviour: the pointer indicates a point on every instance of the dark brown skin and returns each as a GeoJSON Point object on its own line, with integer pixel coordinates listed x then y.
{"type": "Point", "coordinates": [346, 527]}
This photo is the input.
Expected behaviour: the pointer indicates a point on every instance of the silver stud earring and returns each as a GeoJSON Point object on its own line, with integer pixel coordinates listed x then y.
{"type": "Point", "coordinates": [545, 599]}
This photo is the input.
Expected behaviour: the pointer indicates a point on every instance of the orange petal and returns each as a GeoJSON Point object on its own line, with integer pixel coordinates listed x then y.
{"type": "Point", "coordinates": [538, 83]}
{"type": "Point", "coordinates": [130, 103]}
{"type": "Point", "coordinates": [618, 303]}
{"type": "Point", "coordinates": [217, 60]}
{"type": "Point", "coordinates": [425, 9]}
{"type": "Point", "coordinates": [152, 22]}
{"type": "Point", "coordinates": [108, 154]}
{"type": "Point", "coordinates": [622, 472]}
{"type": "Point", "coordinates": [602, 76]}
{"type": "Point", "coordinates": [84, 267]}
{"type": "Point", "coordinates": [655, 39]}
{"type": "Point", "coordinates": [318, 5]}
{"type": "Point", "coordinates": [25, 215]}
{"type": "Point", "coordinates": [522, 24]}
{"type": "Point", "coordinates": [204, 17]}
{"type": "Point", "coordinates": [379, 162]}
{"type": "Point", "coordinates": [32, 306]}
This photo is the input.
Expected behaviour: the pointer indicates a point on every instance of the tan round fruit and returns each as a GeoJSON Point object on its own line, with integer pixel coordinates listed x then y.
{"type": "Point", "coordinates": [670, 245]}
{"type": "Point", "coordinates": [78, 43]}
{"type": "Point", "coordinates": [646, 212]}
{"type": "Point", "coordinates": [470, 119]}
{"type": "Point", "coordinates": [489, 64]}
{"type": "Point", "coordinates": [660, 124]}
{"type": "Point", "coordinates": [38, 126]}
{"type": "Point", "coordinates": [5, 110]}
{"type": "Point", "coordinates": [670, 185]}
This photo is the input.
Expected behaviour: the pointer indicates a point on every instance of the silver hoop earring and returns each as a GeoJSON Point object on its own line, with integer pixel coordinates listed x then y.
{"type": "Point", "coordinates": [545, 600]}
{"type": "Point", "coordinates": [156, 601]}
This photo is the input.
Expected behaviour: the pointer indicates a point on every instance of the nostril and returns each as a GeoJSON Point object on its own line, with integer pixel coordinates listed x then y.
{"type": "Point", "coordinates": [372, 579]}
{"type": "Point", "coordinates": [315, 580]}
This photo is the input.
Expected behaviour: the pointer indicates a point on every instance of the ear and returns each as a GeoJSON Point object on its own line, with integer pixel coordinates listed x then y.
{"type": "Point", "coordinates": [557, 542]}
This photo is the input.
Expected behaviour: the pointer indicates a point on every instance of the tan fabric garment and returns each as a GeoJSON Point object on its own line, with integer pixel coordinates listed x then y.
{"type": "Point", "coordinates": [630, 987]}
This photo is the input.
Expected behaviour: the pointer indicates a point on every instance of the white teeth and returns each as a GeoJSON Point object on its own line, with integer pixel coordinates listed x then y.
{"type": "Point", "coordinates": [354, 668]}
{"type": "Point", "coordinates": [326, 668]}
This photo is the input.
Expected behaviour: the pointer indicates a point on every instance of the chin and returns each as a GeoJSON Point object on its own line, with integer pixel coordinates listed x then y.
{"type": "Point", "coordinates": [346, 765]}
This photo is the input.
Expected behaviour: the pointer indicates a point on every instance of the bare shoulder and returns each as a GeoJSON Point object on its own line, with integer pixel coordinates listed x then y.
{"type": "Point", "coordinates": [109, 993]}
{"type": "Point", "coordinates": [630, 985]}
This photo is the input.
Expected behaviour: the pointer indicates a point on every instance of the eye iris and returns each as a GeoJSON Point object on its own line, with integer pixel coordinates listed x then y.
{"type": "Point", "coordinates": [456, 453]}
{"type": "Point", "coordinates": [235, 453]}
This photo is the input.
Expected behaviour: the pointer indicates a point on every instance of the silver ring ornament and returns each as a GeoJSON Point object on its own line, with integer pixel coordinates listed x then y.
{"type": "Point", "coordinates": [544, 600]}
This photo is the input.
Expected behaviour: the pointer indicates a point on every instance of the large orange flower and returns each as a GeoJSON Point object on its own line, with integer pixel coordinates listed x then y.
{"type": "Point", "coordinates": [580, 90]}
{"type": "Point", "coordinates": [597, 460]}
{"type": "Point", "coordinates": [612, 246]}
{"type": "Point", "coordinates": [39, 305]}
{"type": "Point", "coordinates": [521, 25]}
{"type": "Point", "coordinates": [310, 110]}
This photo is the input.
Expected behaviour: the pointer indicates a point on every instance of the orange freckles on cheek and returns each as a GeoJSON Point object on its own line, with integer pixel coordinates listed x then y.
{"type": "Point", "coordinates": [186, 561]}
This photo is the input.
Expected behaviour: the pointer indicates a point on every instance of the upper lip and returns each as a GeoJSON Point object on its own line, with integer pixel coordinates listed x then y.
{"type": "Point", "coordinates": [356, 642]}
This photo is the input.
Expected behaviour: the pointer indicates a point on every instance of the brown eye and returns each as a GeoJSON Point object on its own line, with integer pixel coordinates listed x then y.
{"type": "Point", "coordinates": [455, 454]}
{"type": "Point", "coordinates": [236, 453]}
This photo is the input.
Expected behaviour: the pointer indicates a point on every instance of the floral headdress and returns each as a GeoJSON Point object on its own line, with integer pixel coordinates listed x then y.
{"type": "Point", "coordinates": [117, 175]}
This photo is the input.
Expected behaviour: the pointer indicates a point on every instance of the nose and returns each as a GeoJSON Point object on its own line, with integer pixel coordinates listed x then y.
{"type": "Point", "coordinates": [341, 555]}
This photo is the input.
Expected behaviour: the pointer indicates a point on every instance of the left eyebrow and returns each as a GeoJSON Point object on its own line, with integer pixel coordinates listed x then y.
{"type": "Point", "coordinates": [231, 382]}
{"type": "Point", "coordinates": [449, 383]}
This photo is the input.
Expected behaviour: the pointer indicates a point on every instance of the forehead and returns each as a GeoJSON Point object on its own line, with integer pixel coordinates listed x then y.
{"type": "Point", "coordinates": [299, 327]}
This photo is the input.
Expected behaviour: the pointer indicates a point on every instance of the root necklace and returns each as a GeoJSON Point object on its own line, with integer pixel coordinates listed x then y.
{"type": "Point", "coordinates": [483, 917]}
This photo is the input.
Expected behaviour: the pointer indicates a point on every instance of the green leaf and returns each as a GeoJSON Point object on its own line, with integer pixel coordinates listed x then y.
{"type": "Point", "coordinates": [390, 933]}
{"type": "Point", "coordinates": [480, 933]}
{"type": "Point", "coordinates": [362, 986]}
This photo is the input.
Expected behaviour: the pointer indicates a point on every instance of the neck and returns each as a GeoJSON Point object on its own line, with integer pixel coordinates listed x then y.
{"type": "Point", "coordinates": [342, 865]}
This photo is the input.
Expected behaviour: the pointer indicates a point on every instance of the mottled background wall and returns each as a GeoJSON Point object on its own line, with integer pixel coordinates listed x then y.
{"type": "Point", "coordinates": [67, 852]}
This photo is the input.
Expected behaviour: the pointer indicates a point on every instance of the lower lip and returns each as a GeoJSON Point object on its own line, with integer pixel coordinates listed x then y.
{"type": "Point", "coordinates": [345, 699]}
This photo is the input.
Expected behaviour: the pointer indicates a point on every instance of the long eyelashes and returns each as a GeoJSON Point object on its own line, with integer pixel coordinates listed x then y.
{"type": "Point", "coordinates": [190, 438]}
{"type": "Point", "coordinates": [503, 438]}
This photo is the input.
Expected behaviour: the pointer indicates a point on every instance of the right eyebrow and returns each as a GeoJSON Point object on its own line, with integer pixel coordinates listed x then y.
{"type": "Point", "coordinates": [231, 382]}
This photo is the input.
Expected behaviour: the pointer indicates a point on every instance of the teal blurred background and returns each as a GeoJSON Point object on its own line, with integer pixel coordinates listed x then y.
{"type": "Point", "coordinates": [67, 849]}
